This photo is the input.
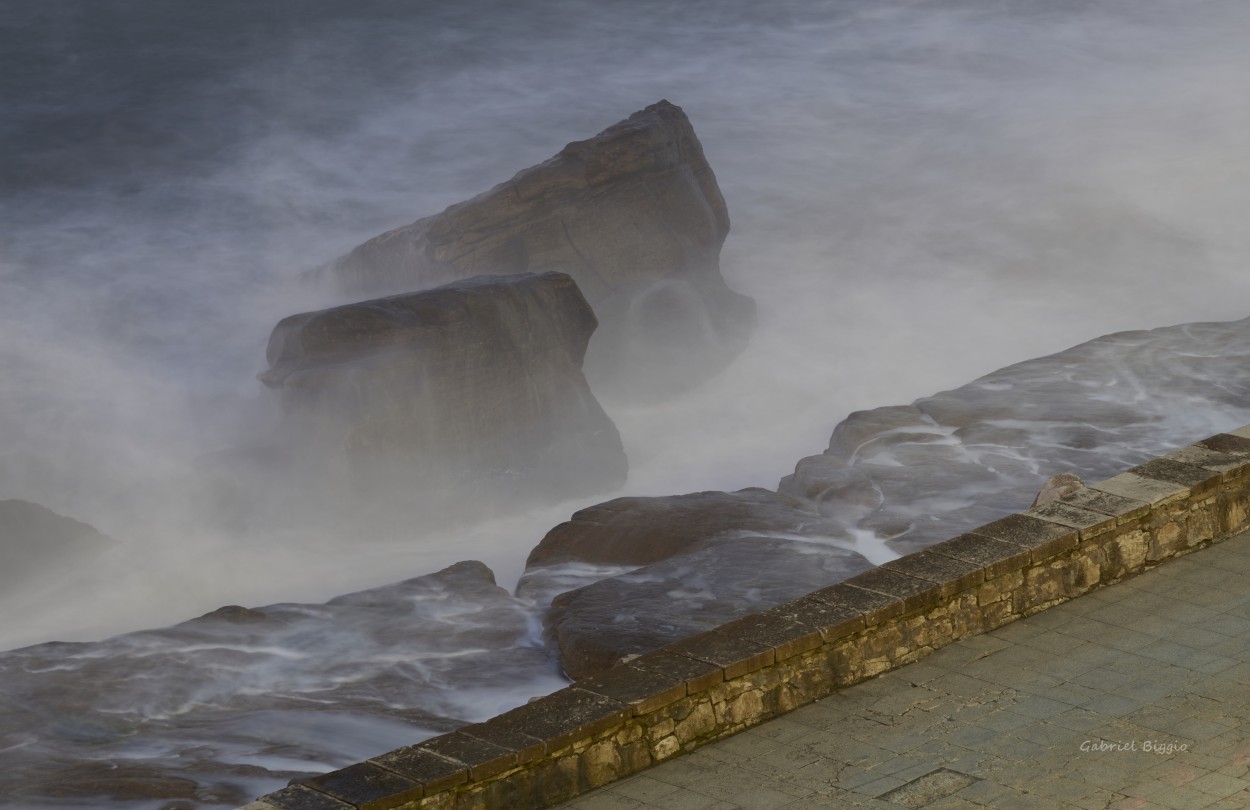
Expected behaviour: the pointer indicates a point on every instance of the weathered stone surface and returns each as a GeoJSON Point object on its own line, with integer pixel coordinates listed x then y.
{"type": "Point", "coordinates": [566, 715]}
{"type": "Point", "coordinates": [1235, 443]}
{"type": "Point", "coordinates": [643, 690]}
{"type": "Point", "coordinates": [332, 682]}
{"type": "Point", "coordinates": [914, 475]}
{"type": "Point", "coordinates": [914, 593]}
{"type": "Point", "coordinates": [424, 768]}
{"type": "Point", "coordinates": [639, 531]}
{"type": "Point", "coordinates": [633, 214]}
{"type": "Point", "coordinates": [299, 797]}
{"type": "Point", "coordinates": [367, 784]}
{"type": "Point", "coordinates": [637, 612]}
{"type": "Point", "coordinates": [481, 758]}
{"type": "Point", "coordinates": [1065, 514]}
{"type": "Point", "coordinates": [833, 621]}
{"type": "Point", "coordinates": [1196, 479]}
{"type": "Point", "coordinates": [1117, 506]}
{"type": "Point", "coordinates": [735, 656]}
{"type": "Point", "coordinates": [1043, 538]}
{"type": "Point", "coordinates": [477, 379]}
{"type": "Point", "coordinates": [35, 541]}
{"type": "Point", "coordinates": [697, 674]}
{"type": "Point", "coordinates": [1226, 464]}
{"type": "Point", "coordinates": [950, 574]}
{"type": "Point", "coordinates": [995, 557]}
{"type": "Point", "coordinates": [1150, 490]}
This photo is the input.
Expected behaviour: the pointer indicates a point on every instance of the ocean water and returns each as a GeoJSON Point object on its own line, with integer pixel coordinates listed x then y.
{"type": "Point", "coordinates": [921, 193]}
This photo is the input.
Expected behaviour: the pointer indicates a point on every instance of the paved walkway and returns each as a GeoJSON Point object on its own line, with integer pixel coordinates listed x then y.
{"type": "Point", "coordinates": [1135, 696]}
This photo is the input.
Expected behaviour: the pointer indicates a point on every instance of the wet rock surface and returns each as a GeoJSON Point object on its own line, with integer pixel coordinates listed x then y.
{"type": "Point", "coordinates": [698, 561]}
{"type": "Point", "coordinates": [634, 613]}
{"type": "Point", "coordinates": [477, 380]}
{"type": "Point", "coordinates": [903, 476]}
{"type": "Point", "coordinates": [917, 474]}
{"type": "Point", "coordinates": [639, 531]}
{"type": "Point", "coordinates": [224, 707]}
{"type": "Point", "coordinates": [633, 214]}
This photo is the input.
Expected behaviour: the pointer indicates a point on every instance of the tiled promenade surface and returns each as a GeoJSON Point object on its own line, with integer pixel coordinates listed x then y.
{"type": "Point", "coordinates": [1133, 696]}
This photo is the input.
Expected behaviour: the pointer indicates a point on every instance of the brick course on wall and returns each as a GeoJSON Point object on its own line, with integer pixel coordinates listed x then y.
{"type": "Point", "coordinates": [718, 683]}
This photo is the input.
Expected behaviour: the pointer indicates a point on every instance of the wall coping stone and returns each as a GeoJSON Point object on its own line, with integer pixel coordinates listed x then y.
{"type": "Point", "coordinates": [1041, 537]}
{"type": "Point", "coordinates": [735, 656]}
{"type": "Point", "coordinates": [1142, 488]}
{"type": "Point", "coordinates": [657, 705]}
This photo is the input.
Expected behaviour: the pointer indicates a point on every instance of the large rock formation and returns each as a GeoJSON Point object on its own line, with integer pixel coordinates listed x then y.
{"type": "Point", "coordinates": [893, 480]}
{"type": "Point", "coordinates": [706, 558]}
{"type": "Point", "coordinates": [479, 379]}
{"type": "Point", "coordinates": [633, 214]}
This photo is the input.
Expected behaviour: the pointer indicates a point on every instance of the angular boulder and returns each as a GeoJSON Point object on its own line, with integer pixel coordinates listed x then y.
{"type": "Point", "coordinates": [633, 214]}
{"type": "Point", "coordinates": [478, 380]}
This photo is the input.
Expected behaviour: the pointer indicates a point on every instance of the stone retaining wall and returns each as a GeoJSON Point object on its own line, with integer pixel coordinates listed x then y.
{"type": "Point", "coordinates": [721, 682]}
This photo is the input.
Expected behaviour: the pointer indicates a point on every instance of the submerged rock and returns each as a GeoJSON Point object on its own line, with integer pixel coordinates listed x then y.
{"type": "Point", "coordinates": [476, 381]}
{"type": "Point", "coordinates": [633, 214]}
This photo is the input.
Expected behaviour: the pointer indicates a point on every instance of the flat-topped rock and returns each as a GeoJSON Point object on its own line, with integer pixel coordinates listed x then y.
{"type": "Point", "coordinates": [633, 214]}
{"type": "Point", "coordinates": [641, 530]}
{"type": "Point", "coordinates": [479, 379]}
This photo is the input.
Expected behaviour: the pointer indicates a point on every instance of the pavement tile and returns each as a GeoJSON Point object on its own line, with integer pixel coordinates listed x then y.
{"type": "Point", "coordinates": [1081, 719]}
{"type": "Point", "coordinates": [1039, 708]}
{"type": "Point", "coordinates": [1063, 789]}
{"type": "Point", "coordinates": [1219, 785]}
{"type": "Point", "coordinates": [1003, 720]}
{"type": "Point", "coordinates": [1239, 801]}
{"type": "Point", "coordinates": [605, 800]}
{"type": "Point", "coordinates": [1182, 798]}
{"type": "Point", "coordinates": [780, 761]}
{"type": "Point", "coordinates": [747, 791]}
{"type": "Point", "coordinates": [1047, 734]}
{"type": "Point", "coordinates": [1071, 693]}
{"type": "Point", "coordinates": [880, 785]}
{"type": "Point", "coordinates": [642, 788]}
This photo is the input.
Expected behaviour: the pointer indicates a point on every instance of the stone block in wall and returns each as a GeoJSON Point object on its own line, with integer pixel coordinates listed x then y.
{"type": "Point", "coordinates": [1042, 538]}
